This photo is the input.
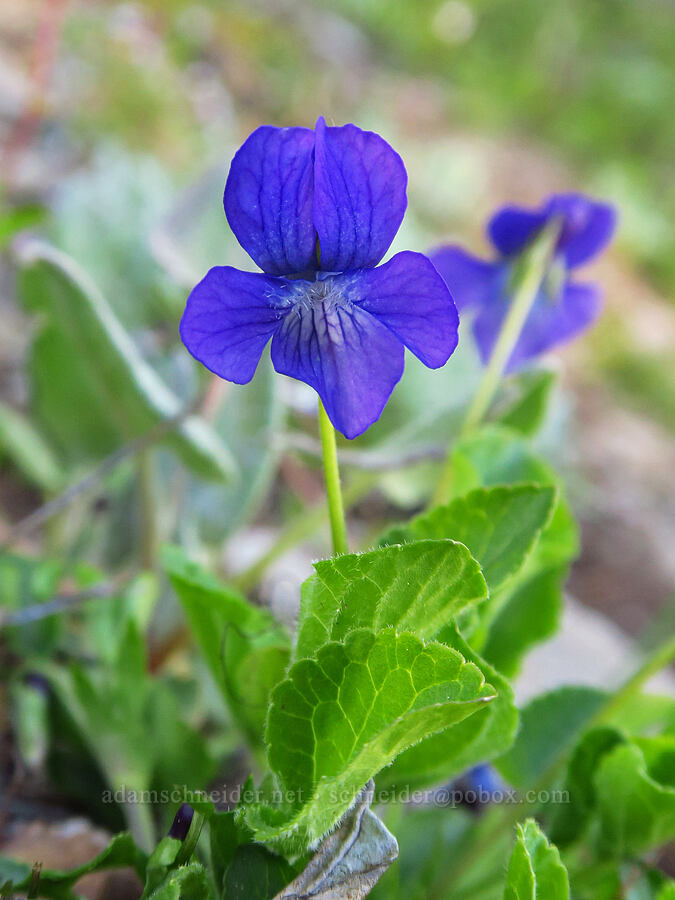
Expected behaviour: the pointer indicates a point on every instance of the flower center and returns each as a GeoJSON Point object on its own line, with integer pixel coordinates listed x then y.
{"type": "Point", "coordinates": [326, 293]}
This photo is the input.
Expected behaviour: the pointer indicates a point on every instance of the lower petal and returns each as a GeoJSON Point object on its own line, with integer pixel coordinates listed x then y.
{"type": "Point", "coordinates": [350, 359]}
{"type": "Point", "coordinates": [550, 323]}
{"type": "Point", "coordinates": [229, 317]}
{"type": "Point", "coordinates": [408, 295]}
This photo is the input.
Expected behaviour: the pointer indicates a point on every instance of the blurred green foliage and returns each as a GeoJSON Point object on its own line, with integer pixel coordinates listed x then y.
{"type": "Point", "coordinates": [596, 79]}
{"type": "Point", "coordinates": [593, 80]}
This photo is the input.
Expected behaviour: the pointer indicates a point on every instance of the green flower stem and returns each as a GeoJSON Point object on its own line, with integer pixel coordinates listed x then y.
{"type": "Point", "coordinates": [661, 657]}
{"type": "Point", "coordinates": [528, 278]}
{"type": "Point", "coordinates": [336, 512]}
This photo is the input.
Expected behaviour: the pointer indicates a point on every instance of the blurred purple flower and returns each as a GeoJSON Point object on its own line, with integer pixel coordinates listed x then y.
{"type": "Point", "coordinates": [317, 210]}
{"type": "Point", "coordinates": [562, 308]}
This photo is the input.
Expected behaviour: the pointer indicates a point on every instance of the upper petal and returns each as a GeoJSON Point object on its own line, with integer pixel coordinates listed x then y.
{"type": "Point", "coordinates": [468, 277]}
{"type": "Point", "coordinates": [268, 199]}
{"type": "Point", "coordinates": [588, 226]}
{"type": "Point", "coordinates": [229, 317]}
{"type": "Point", "coordinates": [552, 321]}
{"type": "Point", "coordinates": [359, 196]}
{"type": "Point", "coordinates": [409, 296]}
{"type": "Point", "coordinates": [350, 359]}
{"type": "Point", "coordinates": [512, 227]}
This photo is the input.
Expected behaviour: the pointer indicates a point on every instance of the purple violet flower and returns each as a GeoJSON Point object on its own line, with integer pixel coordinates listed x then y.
{"type": "Point", "coordinates": [317, 210]}
{"type": "Point", "coordinates": [562, 308]}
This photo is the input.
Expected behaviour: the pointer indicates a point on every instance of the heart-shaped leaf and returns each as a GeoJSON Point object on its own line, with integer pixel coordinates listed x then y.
{"type": "Point", "coordinates": [341, 716]}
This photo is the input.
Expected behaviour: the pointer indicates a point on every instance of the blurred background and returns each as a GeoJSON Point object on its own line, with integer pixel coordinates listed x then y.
{"type": "Point", "coordinates": [117, 124]}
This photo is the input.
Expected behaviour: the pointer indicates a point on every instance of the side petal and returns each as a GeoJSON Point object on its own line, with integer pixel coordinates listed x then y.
{"type": "Point", "coordinates": [229, 317]}
{"type": "Point", "coordinates": [588, 226]}
{"type": "Point", "coordinates": [551, 322]}
{"type": "Point", "coordinates": [409, 296]}
{"type": "Point", "coordinates": [268, 199]}
{"type": "Point", "coordinates": [468, 277]}
{"type": "Point", "coordinates": [350, 359]}
{"type": "Point", "coordinates": [359, 196]}
{"type": "Point", "coordinates": [512, 227]}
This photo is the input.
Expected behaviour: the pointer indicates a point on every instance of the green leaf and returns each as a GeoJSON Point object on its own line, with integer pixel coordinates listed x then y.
{"type": "Point", "coordinates": [28, 450]}
{"type": "Point", "coordinates": [13, 873]}
{"type": "Point", "coordinates": [115, 707]}
{"type": "Point", "coordinates": [240, 867]}
{"type": "Point", "coordinates": [120, 852]}
{"type": "Point", "coordinates": [637, 812]}
{"type": "Point", "coordinates": [245, 648]}
{"type": "Point", "coordinates": [350, 861]}
{"type": "Point", "coordinates": [535, 871]}
{"type": "Point", "coordinates": [182, 756]}
{"type": "Point", "coordinates": [597, 881]}
{"type": "Point", "coordinates": [17, 219]}
{"type": "Point", "coordinates": [550, 725]}
{"type": "Point", "coordinates": [136, 398]}
{"type": "Point", "coordinates": [494, 456]}
{"type": "Point", "coordinates": [108, 705]}
{"type": "Point", "coordinates": [188, 882]}
{"type": "Point", "coordinates": [530, 615]}
{"type": "Point", "coordinates": [571, 819]}
{"type": "Point", "coordinates": [60, 391]}
{"type": "Point", "coordinates": [106, 620]}
{"type": "Point", "coordinates": [160, 862]}
{"type": "Point", "coordinates": [26, 582]}
{"type": "Point", "coordinates": [248, 420]}
{"type": "Point", "coordinates": [500, 526]}
{"type": "Point", "coordinates": [167, 879]}
{"type": "Point", "coordinates": [659, 754]}
{"type": "Point", "coordinates": [431, 840]}
{"type": "Point", "coordinates": [498, 456]}
{"type": "Point", "coordinates": [525, 413]}
{"type": "Point", "coordinates": [103, 216]}
{"type": "Point", "coordinates": [30, 721]}
{"type": "Point", "coordinates": [342, 716]}
{"type": "Point", "coordinates": [225, 835]}
{"type": "Point", "coordinates": [256, 873]}
{"type": "Point", "coordinates": [479, 738]}
{"type": "Point", "coordinates": [419, 586]}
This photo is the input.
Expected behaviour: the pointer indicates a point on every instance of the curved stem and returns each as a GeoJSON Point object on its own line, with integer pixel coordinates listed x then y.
{"type": "Point", "coordinates": [528, 278]}
{"type": "Point", "coordinates": [336, 511]}
{"type": "Point", "coordinates": [659, 658]}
